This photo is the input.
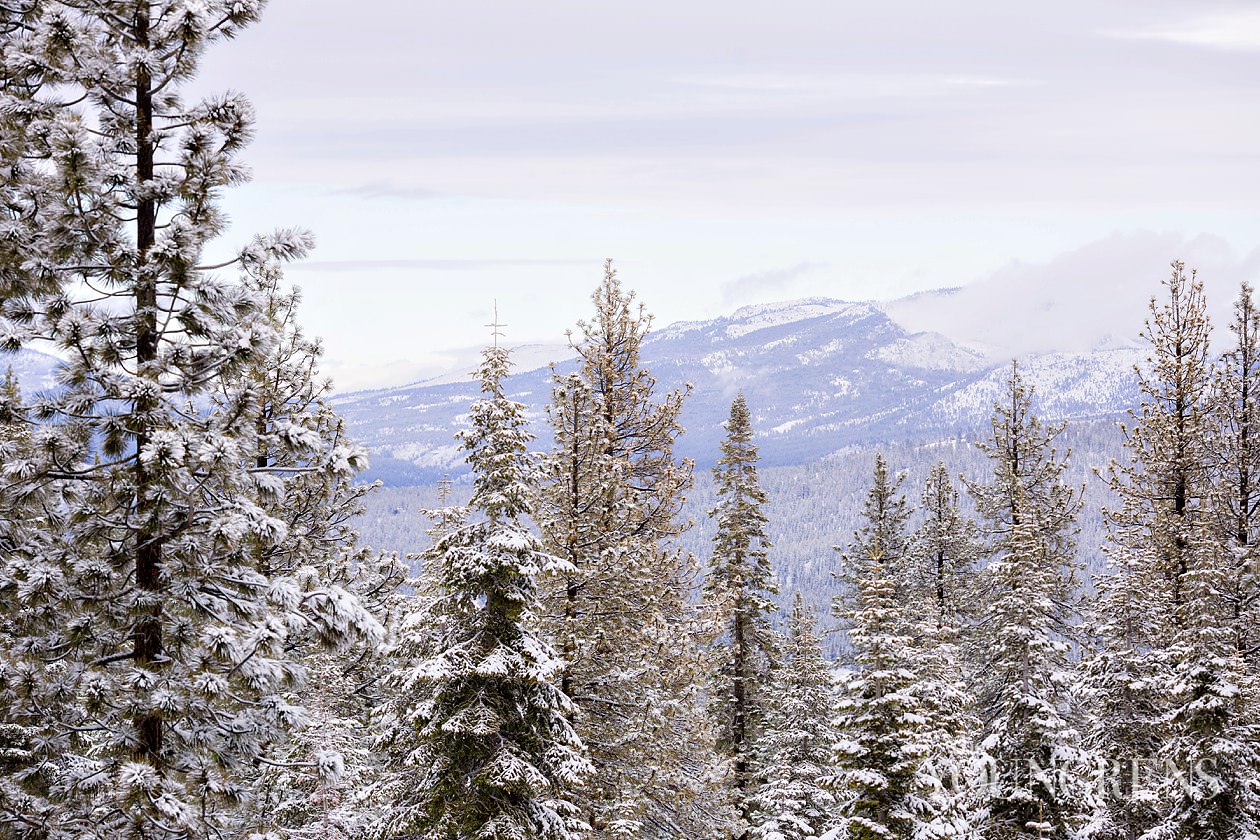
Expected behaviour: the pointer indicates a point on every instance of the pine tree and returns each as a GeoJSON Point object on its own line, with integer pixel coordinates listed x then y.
{"type": "Point", "coordinates": [621, 618]}
{"type": "Point", "coordinates": [1125, 698]}
{"type": "Point", "coordinates": [1160, 539]}
{"type": "Point", "coordinates": [161, 649]}
{"type": "Point", "coordinates": [739, 586]}
{"type": "Point", "coordinates": [1235, 444]}
{"type": "Point", "coordinates": [492, 750]}
{"type": "Point", "coordinates": [1214, 743]}
{"type": "Point", "coordinates": [884, 518]}
{"type": "Point", "coordinates": [942, 554]}
{"type": "Point", "coordinates": [1188, 570]}
{"type": "Point", "coordinates": [940, 572]}
{"type": "Point", "coordinates": [793, 759]}
{"type": "Point", "coordinates": [300, 438]}
{"type": "Point", "coordinates": [878, 780]}
{"type": "Point", "coordinates": [24, 517]}
{"type": "Point", "coordinates": [1024, 687]}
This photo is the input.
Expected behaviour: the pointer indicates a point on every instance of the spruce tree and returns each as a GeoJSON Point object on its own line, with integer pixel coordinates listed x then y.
{"type": "Point", "coordinates": [621, 617]}
{"type": "Point", "coordinates": [1030, 740]}
{"type": "Point", "coordinates": [491, 751]}
{"type": "Point", "coordinates": [739, 586]}
{"type": "Point", "coordinates": [793, 758]}
{"type": "Point", "coordinates": [165, 673]}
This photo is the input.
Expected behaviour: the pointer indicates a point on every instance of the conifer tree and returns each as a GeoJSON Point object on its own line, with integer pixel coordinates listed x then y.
{"type": "Point", "coordinates": [1160, 538]}
{"type": "Point", "coordinates": [621, 617]}
{"type": "Point", "coordinates": [299, 435]}
{"type": "Point", "coordinates": [738, 590]}
{"type": "Point", "coordinates": [1023, 692]}
{"type": "Point", "coordinates": [1182, 543]}
{"type": "Point", "coordinates": [1165, 490]}
{"type": "Point", "coordinates": [26, 513]}
{"type": "Point", "coordinates": [942, 555]}
{"type": "Point", "coordinates": [1213, 749]}
{"type": "Point", "coordinates": [793, 759]}
{"type": "Point", "coordinates": [884, 518]}
{"type": "Point", "coordinates": [491, 747]}
{"type": "Point", "coordinates": [878, 780]}
{"type": "Point", "coordinates": [940, 574]}
{"type": "Point", "coordinates": [166, 676]}
{"type": "Point", "coordinates": [1235, 444]}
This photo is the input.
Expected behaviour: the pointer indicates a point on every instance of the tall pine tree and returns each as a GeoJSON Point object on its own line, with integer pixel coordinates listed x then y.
{"type": "Point", "coordinates": [1020, 648]}
{"type": "Point", "coordinates": [492, 751]}
{"type": "Point", "coordinates": [739, 586]}
{"type": "Point", "coordinates": [621, 617]}
{"type": "Point", "coordinates": [167, 677]}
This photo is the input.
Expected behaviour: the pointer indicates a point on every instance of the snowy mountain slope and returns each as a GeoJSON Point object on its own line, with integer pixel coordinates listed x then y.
{"type": "Point", "coordinates": [35, 371]}
{"type": "Point", "coordinates": [820, 375]}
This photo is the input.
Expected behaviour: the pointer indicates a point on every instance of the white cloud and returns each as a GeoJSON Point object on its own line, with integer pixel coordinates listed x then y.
{"type": "Point", "coordinates": [1235, 30]}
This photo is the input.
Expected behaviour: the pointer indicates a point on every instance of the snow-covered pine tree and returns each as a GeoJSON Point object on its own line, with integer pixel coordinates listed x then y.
{"type": "Point", "coordinates": [793, 758]}
{"type": "Point", "coordinates": [1185, 570]}
{"type": "Point", "coordinates": [1165, 488]}
{"type": "Point", "coordinates": [878, 781]}
{"type": "Point", "coordinates": [1163, 518]}
{"type": "Point", "coordinates": [940, 570]}
{"type": "Point", "coordinates": [884, 530]}
{"type": "Point", "coordinates": [1023, 686]}
{"type": "Point", "coordinates": [941, 555]}
{"type": "Point", "coordinates": [24, 516]}
{"type": "Point", "coordinates": [738, 590]}
{"type": "Point", "coordinates": [492, 751]}
{"type": "Point", "coordinates": [1125, 700]}
{"type": "Point", "coordinates": [1235, 446]}
{"type": "Point", "coordinates": [1213, 749]}
{"type": "Point", "coordinates": [300, 440]}
{"type": "Point", "coordinates": [621, 617]}
{"type": "Point", "coordinates": [165, 680]}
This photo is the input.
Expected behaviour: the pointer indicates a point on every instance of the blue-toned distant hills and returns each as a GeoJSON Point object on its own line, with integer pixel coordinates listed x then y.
{"type": "Point", "coordinates": [820, 376]}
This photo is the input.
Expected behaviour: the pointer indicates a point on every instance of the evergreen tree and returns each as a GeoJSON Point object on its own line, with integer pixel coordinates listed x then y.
{"type": "Point", "coordinates": [738, 590]}
{"type": "Point", "coordinates": [298, 435]}
{"type": "Point", "coordinates": [1125, 697]}
{"type": "Point", "coordinates": [940, 573]}
{"type": "Point", "coordinates": [942, 555]}
{"type": "Point", "coordinates": [878, 780]}
{"type": "Point", "coordinates": [1235, 444]}
{"type": "Point", "coordinates": [1214, 746]}
{"type": "Point", "coordinates": [492, 750]}
{"type": "Point", "coordinates": [1023, 691]}
{"type": "Point", "coordinates": [24, 517]}
{"type": "Point", "coordinates": [620, 617]}
{"type": "Point", "coordinates": [794, 757]}
{"type": "Point", "coordinates": [884, 518]}
{"type": "Point", "coordinates": [1160, 538]}
{"type": "Point", "coordinates": [151, 652]}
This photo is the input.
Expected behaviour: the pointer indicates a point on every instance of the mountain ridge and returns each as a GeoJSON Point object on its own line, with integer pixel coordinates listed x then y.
{"type": "Point", "coordinates": [821, 375]}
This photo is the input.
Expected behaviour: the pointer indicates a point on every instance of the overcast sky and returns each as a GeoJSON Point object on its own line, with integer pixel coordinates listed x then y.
{"type": "Point", "coordinates": [450, 154]}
